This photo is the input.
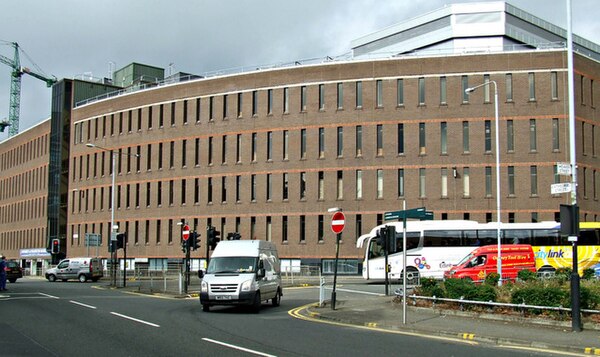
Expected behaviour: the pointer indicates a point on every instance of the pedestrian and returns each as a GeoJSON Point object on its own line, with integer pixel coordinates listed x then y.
{"type": "Point", "coordinates": [3, 273]}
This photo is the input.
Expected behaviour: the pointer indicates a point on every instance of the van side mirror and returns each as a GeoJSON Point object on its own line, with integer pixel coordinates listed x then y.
{"type": "Point", "coordinates": [200, 274]}
{"type": "Point", "coordinates": [260, 273]}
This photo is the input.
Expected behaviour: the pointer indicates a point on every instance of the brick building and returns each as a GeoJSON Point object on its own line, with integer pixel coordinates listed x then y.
{"type": "Point", "coordinates": [266, 153]}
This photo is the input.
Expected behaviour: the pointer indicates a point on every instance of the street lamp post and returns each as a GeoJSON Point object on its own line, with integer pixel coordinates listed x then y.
{"type": "Point", "coordinates": [113, 236]}
{"type": "Point", "coordinates": [498, 220]}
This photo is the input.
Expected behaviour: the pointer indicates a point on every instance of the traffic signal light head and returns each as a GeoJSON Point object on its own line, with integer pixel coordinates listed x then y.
{"type": "Point", "coordinates": [194, 240]}
{"type": "Point", "coordinates": [212, 237]}
{"type": "Point", "coordinates": [55, 249]}
{"type": "Point", "coordinates": [121, 240]}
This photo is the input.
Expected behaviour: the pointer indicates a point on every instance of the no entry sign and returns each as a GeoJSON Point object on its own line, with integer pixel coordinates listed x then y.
{"type": "Point", "coordinates": [186, 232]}
{"type": "Point", "coordinates": [338, 222]}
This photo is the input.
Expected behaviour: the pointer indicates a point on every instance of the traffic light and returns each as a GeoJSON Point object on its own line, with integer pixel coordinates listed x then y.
{"type": "Point", "coordinates": [391, 239]}
{"type": "Point", "coordinates": [234, 236]}
{"type": "Point", "coordinates": [212, 237]}
{"type": "Point", "coordinates": [55, 249]}
{"type": "Point", "coordinates": [194, 240]}
{"type": "Point", "coordinates": [381, 238]}
{"type": "Point", "coordinates": [121, 240]}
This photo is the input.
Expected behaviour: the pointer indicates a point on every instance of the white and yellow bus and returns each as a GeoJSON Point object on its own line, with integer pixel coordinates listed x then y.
{"type": "Point", "coordinates": [434, 246]}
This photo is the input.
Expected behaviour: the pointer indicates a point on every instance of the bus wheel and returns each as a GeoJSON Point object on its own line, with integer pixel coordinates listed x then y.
{"type": "Point", "coordinates": [546, 272]}
{"type": "Point", "coordinates": [412, 276]}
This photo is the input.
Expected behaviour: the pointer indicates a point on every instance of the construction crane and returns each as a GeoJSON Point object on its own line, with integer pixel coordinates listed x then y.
{"type": "Point", "coordinates": [15, 89]}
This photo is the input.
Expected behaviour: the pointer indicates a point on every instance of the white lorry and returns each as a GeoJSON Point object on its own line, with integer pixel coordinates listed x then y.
{"type": "Point", "coordinates": [242, 272]}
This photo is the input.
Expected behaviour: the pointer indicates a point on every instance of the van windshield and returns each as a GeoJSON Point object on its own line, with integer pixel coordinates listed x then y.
{"type": "Point", "coordinates": [232, 265]}
{"type": "Point", "coordinates": [465, 259]}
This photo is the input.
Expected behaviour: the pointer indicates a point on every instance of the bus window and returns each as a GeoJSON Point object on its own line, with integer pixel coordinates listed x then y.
{"type": "Point", "coordinates": [441, 238]}
{"type": "Point", "coordinates": [489, 237]}
{"type": "Point", "coordinates": [412, 240]}
{"type": "Point", "coordinates": [375, 250]}
{"type": "Point", "coordinates": [547, 237]}
{"type": "Point", "coordinates": [516, 236]}
{"type": "Point", "coordinates": [588, 237]}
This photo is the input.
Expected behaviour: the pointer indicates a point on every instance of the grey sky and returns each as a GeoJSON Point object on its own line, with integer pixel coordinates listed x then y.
{"type": "Point", "coordinates": [68, 38]}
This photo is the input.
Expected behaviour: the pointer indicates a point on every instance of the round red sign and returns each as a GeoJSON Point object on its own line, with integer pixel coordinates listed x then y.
{"type": "Point", "coordinates": [338, 222]}
{"type": "Point", "coordinates": [186, 232]}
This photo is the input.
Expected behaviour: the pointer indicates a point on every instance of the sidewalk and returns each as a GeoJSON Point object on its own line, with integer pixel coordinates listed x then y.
{"type": "Point", "coordinates": [382, 313]}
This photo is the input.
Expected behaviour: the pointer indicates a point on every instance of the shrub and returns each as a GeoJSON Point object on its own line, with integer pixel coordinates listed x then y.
{"type": "Point", "coordinates": [457, 288]}
{"type": "Point", "coordinates": [492, 279]}
{"type": "Point", "coordinates": [589, 274]}
{"type": "Point", "coordinates": [526, 275]}
{"type": "Point", "coordinates": [539, 295]}
{"type": "Point", "coordinates": [563, 274]}
{"type": "Point", "coordinates": [431, 287]}
{"type": "Point", "coordinates": [485, 292]}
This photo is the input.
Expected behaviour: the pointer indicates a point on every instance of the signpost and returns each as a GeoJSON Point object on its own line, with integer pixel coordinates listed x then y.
{"type": "Point", "coordinates": [338, 222]}
{"type": "Point", "coordinates": [185, 232]}
{"type": "Point", "coordinates": [93, 240]}
{"type": "Point", "coordinates": [557, 188]}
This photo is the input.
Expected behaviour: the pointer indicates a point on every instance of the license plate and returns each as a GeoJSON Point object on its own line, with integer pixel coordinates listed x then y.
{"type": "Point", "coordinates": [223, 297]}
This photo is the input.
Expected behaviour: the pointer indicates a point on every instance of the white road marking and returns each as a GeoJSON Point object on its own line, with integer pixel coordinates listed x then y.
{"type": "Point", "coordinates": [237, 347]}
{"type": "Point", "coordinates": [134, 319]}
{"type": "Point", "coordinates": [50, 296]}
{"type": "Point", "coordinates": [82, 304]}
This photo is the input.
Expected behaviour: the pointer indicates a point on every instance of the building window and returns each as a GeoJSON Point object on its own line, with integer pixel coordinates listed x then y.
{"type": "Point", "coordinates": [183, 153]}
{"type": "Point", "coordinates": [358, 140]}
{"type": "Point", "coordinates": [286, 144]}
{"type": "Point", "coordinates": [302, 143]}
{"type": "Point", "coordinates": [422, 91]}
{"type": "Point", "coordinates": [303, 98]}
{"type": "Point", "coordinates": [509, 87]}
{"type": "Point", "coordinates": [303, 185]}
{"type": "Point", "coordinates": [555, 135]}
{"type": "Point", "coordinates": [379, 93]}
{"type": "Point", "coordinates": [533, 179]}
{"type": "Point", "coordinates": [269, 101]}
{"type": "Point", "coordinates": [196, 190]}
{"type": "Point", "coordinates": [210, 150]}
{"type": "Point", "coordinates": [400, 92]}
{"type": "Point", "coordinates": [197, 152]}
{"type": "Point", "coordinates": [464, 87]}
{"type": "Point", "coordinates": [443, 94]}
{"type": "Point", "coordinates": [209, 189]}
{"type": "Point", "coordinates": [254, 103]}
{"type": "Point", "coordinates": [254, 147]}
{"type": "Point", "coordinates": [238, 187]}
{"type": "Point", "coordinates": [400, 139]}
{"type": "Point", "coordinates": [238, 148]}
{"type": "Point", "coordinates": [400, 182]}
{"type": "Point", "coordinates": [359, 184]}
{"type": "Point", "coordinates": [321, 143]}
{"type": "Point", "coordinates": [444, 187]}
{"type": "Point", "coordinates": [284, 228]}
{"type": "Point", "coordinates": [422, 136]}
{"type": "Point", "coordinates": [422, 191]}
{"type": "Point", "coordinates": [488, 181]}
{"type": "Point", "coordinates": [358, 225]}
{"type": "Point", "coordinates": [269, 187]}
{"type": "Point", "coordinates": [302, 228]}
{"type": "Point", "coordinates": [510, 135]}
{"type": "Point", "coordinates": [172, 155]}
{"type": "Point", "coordinates": [171, 192]}
{"type": "Point", "coordinates": [379, 140]}
{"type": "Point", "coordinates": [240, 102]}
{"type": "Point", "coordinates": [465, 136]}
{"type": "Point", "coordinates": [340, 141]}
{"type": "Point", "coordinates": [321, 185]}
{"type": "Point", "coordinates": [488, 136]}
{"type": "Point", "coordinates": [159, 193]}
{"type": "Point", "coordinates": [183, 195]}
{"type": "Point", "coordinates": [321, 228]}
{"type": "Point", "coordinates": [531, 77]}
{"type": "Point", "coordinates": [321, 97]}
{"type": "Point", "coordinates": [511, 180]}
{"type": "Point", "coordinates": [466, 182]}
{"type": "Point", "coordinates": [556, 175]}
{"type": "Point", "coordinates": [225, 111]}
{"type": "Point", "coordinates": [253, 188]}
{"type": "Point", "coordinates": [269, 146]}
{"type": "Point", "coordinates": [198, 102]}
{"type": "Point", "coordinates": [554, 85]}
{"type": "Point", "coordinates": [340, 95]}
{"type": "Point", "coordinates": [286, 100]}
{"type": "Point", "coordinates": [223, 189]}
{"type": "Point", "coordinates": [340, 184]}
{"type": "Point", "coordinates": [532, 135]}
{"type": "Point", "coordinates": [444, 137]}
{"type": "Point", "coordinates": [486, 88]}
{"type": "Point", "coordinates": [379, 184]}
{"type": "Point", "coordinates": [211, 102]}
{"type": "Point", "coordinates": [359, 99]}
{"type": "Point", "coordinates": [285, 187]}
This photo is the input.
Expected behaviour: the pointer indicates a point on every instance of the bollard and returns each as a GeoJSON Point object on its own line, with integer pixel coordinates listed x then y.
{"type": "Point", "coordinates": [322, 292]}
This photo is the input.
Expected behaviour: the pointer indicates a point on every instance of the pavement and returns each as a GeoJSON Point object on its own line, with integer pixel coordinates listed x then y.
{"type": "Point", "coordinates": [382, 312]}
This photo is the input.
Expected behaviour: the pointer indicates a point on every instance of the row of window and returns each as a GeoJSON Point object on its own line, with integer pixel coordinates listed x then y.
{"type": "Point", "coordinates": [28, 238]}
{"type": "Point", "coordinates": [278, 143]}
{"type": "Point", "coordinates": [134, 195]}
{"type": "Point", "coordinates": [23, 210]}
{"type": "Point", "coordinates": [100, 127]}
{"type": "Point", "coordinates": [24, 183]}
{"type": "Point", "coordinates": [28, 151]}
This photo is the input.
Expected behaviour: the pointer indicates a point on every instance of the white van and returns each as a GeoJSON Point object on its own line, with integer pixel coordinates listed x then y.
{"type": "Point", "coordinates": [82, 269]}
{"type": "Point", "coordinates": [242, 272]}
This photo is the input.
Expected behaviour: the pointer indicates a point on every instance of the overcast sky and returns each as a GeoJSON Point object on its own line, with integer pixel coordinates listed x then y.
{"type": "Point", "coordinates": [70, 38]}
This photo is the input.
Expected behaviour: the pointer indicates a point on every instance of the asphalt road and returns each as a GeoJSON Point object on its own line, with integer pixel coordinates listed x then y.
{"type": "Point", "coordinates": [38, 318]}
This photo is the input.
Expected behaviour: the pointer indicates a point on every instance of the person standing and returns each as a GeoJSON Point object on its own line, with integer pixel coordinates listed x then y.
{"type": "Point", "coordinates": [2, 273]}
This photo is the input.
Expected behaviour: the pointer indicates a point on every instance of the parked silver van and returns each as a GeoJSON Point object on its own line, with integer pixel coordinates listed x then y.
{"type": "Point", "coordinates": [82, 269]}
{"type": "Point", "coordinates": [242, 272]}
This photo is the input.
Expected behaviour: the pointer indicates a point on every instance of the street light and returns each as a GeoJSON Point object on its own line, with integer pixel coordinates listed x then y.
{"type": "Point", "coordinates": [112, 205]}
{"type": "Point", "coordinates": [469, 91]}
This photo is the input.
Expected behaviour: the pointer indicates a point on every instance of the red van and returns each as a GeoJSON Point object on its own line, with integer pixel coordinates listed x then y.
{"type": "Point", "coordinates": [483, 261]}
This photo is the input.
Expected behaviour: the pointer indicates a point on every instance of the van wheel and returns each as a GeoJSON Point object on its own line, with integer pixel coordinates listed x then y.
{"type": "Point", "coordinates": [51, 278]}
{"type": "Point", "coordinates": [206, 307]}
{"type": "Point", "coordinates": [82, 278]}
{"type": "Point", "coordinates": [13, 280]}
{"type": "Point", "coordinates": [257, 303]}
{"type": "Point", "coordinates": [277, 299]}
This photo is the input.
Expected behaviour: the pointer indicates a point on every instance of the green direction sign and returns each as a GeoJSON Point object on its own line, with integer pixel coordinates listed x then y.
{"type": "Point", "coordinates": [418, 213]}
{"type": "Point", "coordinates": [93, 240]}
